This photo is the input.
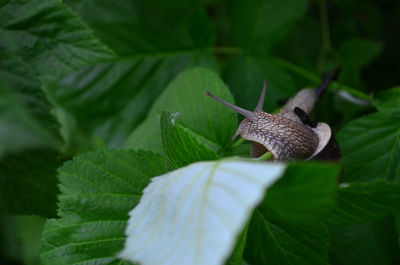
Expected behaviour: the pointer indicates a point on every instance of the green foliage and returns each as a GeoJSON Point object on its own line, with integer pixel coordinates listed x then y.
{"type": "Point", "coordinates": [93, 207]}
{"type": "Point", "coordinates": [78, 76]}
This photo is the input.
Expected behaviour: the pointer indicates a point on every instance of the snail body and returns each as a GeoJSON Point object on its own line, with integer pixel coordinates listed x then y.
{"type": "Point", "coordinates": [288, 135]}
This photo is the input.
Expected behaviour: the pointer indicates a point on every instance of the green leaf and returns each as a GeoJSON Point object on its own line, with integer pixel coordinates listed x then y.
{"type": "Point", "coordinates": [370, 243]}
{"type": "Point", "coordinates": [148, 26]}
{"type": "Point", "coordinates": [48, 36]}
{"type": "Point", "coordinates": [370, 147]}
{"type": "Point", "coordinates": [28, 184]}
{"type": "Point", "coordinates": [193, 215]}
{"type": "Point", "coordinates": [111, 99]}
{"type": "Point", "coordinates": [257, 25]}
{"type": "Point", "coordinates": [306, 191]}
{"type": "Point", "coordinates": [275, 240]}
{"type": "Point", "coordinates": [388, 100]}
{"type": "Point", "coordinates": [245, 76]}
{"type": "Point", "coordinates": [199, 113]}
{"type": "Point", "coordinates": [363, 202]}
{"type": "Point", "coordinates": [285, 228]}
{"type": "Point", "coordinates": [181, 146]}
{"type": "Point", "coordinates": [98, 189]}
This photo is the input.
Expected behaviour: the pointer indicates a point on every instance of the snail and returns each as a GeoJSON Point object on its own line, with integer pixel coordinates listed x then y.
{"type": "Point", "coordinates": [290, 134]}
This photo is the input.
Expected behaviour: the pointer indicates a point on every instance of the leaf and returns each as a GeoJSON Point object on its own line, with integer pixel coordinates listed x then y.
{"type": "Point", "coordinates": [194, 214]}
{"type": "Point", "coordinates": [285, 228]}
{"type": "Point", "coordinates": [48, 36]}
{"type": "Point", "coordinates": [370, 243]}
{"type": "Point", "coordinates": [129, 27]}
{"type": "Point", "coordinates": [306, 191]}
{"type": "Point", "coordinates": [363, 202]}
{"type": "Point", "coordinates": [98, 189]}
{"type": "Point", "coordinates": [181, 146]}
{"type": "Point", "coordinates": [245, 76]}
{"type": "Point", "coordinates": [111, 99]}
{"type": "Point", "coordinates": [257, 25]}
{"type": "Point", "coordinates": [388, 100]}
{"type": "Point", "coordinates": [201, 114]}
{"type": "Point", "coordinates": [370, 147]}
{"type": "Point", "coordinates": [275, 240]}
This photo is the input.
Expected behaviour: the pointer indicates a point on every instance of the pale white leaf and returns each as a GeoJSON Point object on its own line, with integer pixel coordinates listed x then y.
{"type": "Point", "coordinates": [193, 215]}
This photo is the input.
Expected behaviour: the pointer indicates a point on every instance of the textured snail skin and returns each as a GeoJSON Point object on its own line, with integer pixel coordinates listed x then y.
{"type": "Point", "coordinates": [283, 137]}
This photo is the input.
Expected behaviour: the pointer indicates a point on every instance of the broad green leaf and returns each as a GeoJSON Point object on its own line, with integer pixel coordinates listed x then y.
{"type": "Point", "coordinates": [48, 36]}
{"type": "Point", "coordinates": [111, 99]}
{"type": "Point", "coordinates": [363, 202]}
{"type": "Point", "coordinates": [285, 228]}
{"type": "Point", "coordinates": [275, 240]}
{"type": "Point", "coordinates": [199, 113]}
{"type": "Point", "coordinates": [97, 191]}
{"type": "Point", "coordinates": [181, 146]}
{"type": "Point", "coordinates": [256, 25]}
{"type": "Point", "coordinates": [388, 100]}
{"type": "Point", "coordinates": [306, 191]}
{"type": "Point", "coordinates": [245, 76]}
{"type": "Point", "coordinates": [148, 26]}
{"type": "Point", "coordinates": [371, 147]}
{"type": "Point", "coordinates": [28, 183]}
{"type": "Point", "coordinates": [370, 243]}
{"type": "Point", "coordinates": [193, 215]}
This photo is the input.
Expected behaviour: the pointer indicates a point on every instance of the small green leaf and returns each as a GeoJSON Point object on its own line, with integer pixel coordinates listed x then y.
{"type": "Point", "coordinates": [371, 147]}
{"type": "Point", "coordinates": [306, 191]}
{"type": "Point", "coordinates": [199, 113]}
{"type": "Point", "coordinates": [97, 191]}
{"type": "Point", "coordinates": [363, 202]}
{"type": "Point", "coordinates": [388, 100]}
{"type": "Point", "coordinates": [245, 76]}
{"type": "Point", "coordinates": [181, 146]}
{"type": "Point", "coordinates": [193, 215]}
{"type": "Point", "coordinates": [48, 36]}
{"type": "Point", "coordinates": [257, 25]}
